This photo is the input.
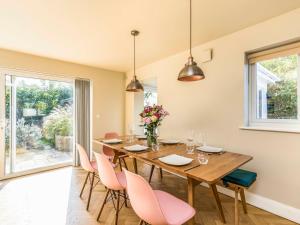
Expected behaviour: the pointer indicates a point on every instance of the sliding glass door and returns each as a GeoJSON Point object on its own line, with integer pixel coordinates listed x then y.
{"type": "Point", "coordinates": [37, 123]}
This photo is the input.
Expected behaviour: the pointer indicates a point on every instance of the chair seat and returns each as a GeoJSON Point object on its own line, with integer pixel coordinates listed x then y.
{"type": "Point", "coordinates": [240, 177]}
{"type": "Point", "coordinates": [121, 178]}
{"type": "Point", "coordinates": [175, 210]}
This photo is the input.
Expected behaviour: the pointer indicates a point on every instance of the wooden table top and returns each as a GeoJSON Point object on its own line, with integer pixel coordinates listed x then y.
{"type": "Point", "coordinates": [219, 165]}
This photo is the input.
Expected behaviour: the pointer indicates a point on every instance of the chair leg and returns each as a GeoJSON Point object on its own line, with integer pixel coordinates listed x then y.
{"type": "Point", "coordinates": [85, 181]}
{"type": "Point", "coordinates": [91, 189]}
{"type": "Point", "coordinates": [125, 198]}
{"type": "Point", "coordinates": [243, 199]}
{"type": "Point", "coordinates": [135, 165]}
{"type": "Point", "coordinates": [125, 164]}
{"type": "Point", "coordinates": [236, 207]}
{"type": "Point", "coordinates": [114, 194]}
{"type": "Point", "coordinates": [120, 164]}
{"type": "Point", "coordinates": [104, 202]}
{"type": "Point", "coordinates": [161, 173]}
{"type": "Point", "coordinates": [117, 210]}
{"type": "Point", "coordinates": [151, 173]}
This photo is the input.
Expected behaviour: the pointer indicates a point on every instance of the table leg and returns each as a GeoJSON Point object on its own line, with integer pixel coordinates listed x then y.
{"type": "Point", "coordinates": [135, 165]}
{"type": "Point", "coordinates": [218, 202]}
{"type": "Point", "coordinates": [191, 191]}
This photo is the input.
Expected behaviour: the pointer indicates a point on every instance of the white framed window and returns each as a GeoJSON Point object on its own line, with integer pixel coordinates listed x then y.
{"type": "Point", "coordinates": [274, 88]}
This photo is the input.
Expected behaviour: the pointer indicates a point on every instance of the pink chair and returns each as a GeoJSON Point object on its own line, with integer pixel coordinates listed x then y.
{"type": "Point", "coordinates": [154, 206]}
{"type": "Point", "coordinates": [90, 167]}
{"type": "Point", "coordinates": [110, 153]}
{"type": "Point", "coordinates": [115, 182]}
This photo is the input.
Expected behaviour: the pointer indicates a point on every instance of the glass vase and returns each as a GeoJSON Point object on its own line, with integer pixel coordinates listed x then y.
{"type": "Point", "coordinates": [151, 137]}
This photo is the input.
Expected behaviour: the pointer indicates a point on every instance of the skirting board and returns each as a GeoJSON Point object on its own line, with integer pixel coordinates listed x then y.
{"type": "Point", "coordinates": [266, 204]}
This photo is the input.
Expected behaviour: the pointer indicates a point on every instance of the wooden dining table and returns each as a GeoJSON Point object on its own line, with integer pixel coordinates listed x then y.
{"type": "Point", "coordinates": [218, 166]}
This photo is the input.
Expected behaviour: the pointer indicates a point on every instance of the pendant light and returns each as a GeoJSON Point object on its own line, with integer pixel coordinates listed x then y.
{"type": "Point", "coordinates": [134, 85]}
{"type": "Point", "coordinates": [191, 72]}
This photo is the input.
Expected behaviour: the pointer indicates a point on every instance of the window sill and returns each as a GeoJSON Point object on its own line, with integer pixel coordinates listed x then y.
{"type": "Point", "coordinates": [271, 129]}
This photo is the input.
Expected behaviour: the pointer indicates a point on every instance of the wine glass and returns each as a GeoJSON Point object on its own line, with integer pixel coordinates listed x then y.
{"type": "Point", "coordinates": [131, 130]}
{"type": "Point", "coordinates": [199, 139]}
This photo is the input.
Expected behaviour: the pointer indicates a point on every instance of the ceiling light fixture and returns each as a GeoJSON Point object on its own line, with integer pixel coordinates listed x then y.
{"type": "Point", "coordinates": [134, 85]}
{"type": "Point", "coordinates": [191, 72]}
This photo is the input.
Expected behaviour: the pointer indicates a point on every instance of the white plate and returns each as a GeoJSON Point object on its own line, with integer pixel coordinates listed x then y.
{"type": "Point", "coordinates": [169, 141]}
{"type": "Point", "coordinates": [141, 137]}
{"type": "Point", "coordinates": [112, 141]}
{"type": "Point", "coordinates": [210, 149]}
{"type": "Point", "coordinates": [175, 160]}
{"type": "Point", "coordinates": [136, 148]}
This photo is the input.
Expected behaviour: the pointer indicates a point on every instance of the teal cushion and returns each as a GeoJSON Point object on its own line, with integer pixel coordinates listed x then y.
{"type": "Point", "coordinates": [240, 177]}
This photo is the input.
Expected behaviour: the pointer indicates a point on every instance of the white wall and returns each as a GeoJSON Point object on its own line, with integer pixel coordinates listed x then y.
{"type": "Point", "coordinates": [216, 106]}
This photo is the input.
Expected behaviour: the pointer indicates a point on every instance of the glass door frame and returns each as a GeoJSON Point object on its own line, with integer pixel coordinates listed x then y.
{"type": "Point", "coordinates": [2, 126]}
{"type": "Point", "coordinates": [35, 75]}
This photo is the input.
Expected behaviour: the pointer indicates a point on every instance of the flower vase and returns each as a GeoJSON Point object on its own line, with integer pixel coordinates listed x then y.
{"type": "Point", "coordinates": [151, 137]}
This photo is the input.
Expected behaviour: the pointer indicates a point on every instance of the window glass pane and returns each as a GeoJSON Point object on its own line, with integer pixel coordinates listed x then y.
{"type": "Point", "coordinates": [150, 98]}
{"type": "Point", "coordinates": [276, 92]}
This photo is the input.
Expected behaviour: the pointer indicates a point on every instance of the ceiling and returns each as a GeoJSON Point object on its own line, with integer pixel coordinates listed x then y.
{"type": "Point", "coordinates": [97, 32]}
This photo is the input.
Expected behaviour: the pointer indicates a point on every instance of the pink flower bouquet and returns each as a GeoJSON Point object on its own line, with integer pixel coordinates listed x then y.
{"type": "Point", "coordinates": [152, 116]}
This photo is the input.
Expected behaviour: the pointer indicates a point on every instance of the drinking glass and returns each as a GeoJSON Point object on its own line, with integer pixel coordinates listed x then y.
{"type": "Point", "coordinates": [190, 144]}
{"type": "Point", "coordinates": [155, 146]}
{"type": "Point", "coordinates": [203, 158]}
{"type": "Point", "coordinates": [190, 148]}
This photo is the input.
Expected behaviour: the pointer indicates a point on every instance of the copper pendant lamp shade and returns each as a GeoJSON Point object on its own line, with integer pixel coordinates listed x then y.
{"type": "Point", "coordinates": [134, 85]}
{"type": "Point", "coordinates": [191, 72]}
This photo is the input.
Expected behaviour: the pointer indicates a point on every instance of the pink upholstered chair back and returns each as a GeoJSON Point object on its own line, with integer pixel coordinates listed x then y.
{"type": "Point", "coordinates": [106, 172]}
{"type": "Point", "coordinates": [84, 159]}
{"type": "Point", "coordinates": [143, 199]}
{"type": "Point", "coordinates": [106, 150]}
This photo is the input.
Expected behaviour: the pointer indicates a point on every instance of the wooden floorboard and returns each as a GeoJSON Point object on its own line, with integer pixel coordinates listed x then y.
{"type": "Point", "coordinates": [52, 198]}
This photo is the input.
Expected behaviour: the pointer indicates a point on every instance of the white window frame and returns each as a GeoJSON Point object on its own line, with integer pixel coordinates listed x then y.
{"type": "Point", "coordinates": [251, 92]}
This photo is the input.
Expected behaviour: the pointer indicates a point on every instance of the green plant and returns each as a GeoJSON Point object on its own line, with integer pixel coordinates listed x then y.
{"type": "Point", "coordinates": [282, 100]}
{"type": "Point", "coordinates": [27, 135]}
{"type": "Point", "coordinates": [41, 106]}
{"type": "Point", "coordinates": [59, 122]}
{"type": "Point", "coordinates": [44, 99]}
{"type": "Point", "coordinates": [282, 96]}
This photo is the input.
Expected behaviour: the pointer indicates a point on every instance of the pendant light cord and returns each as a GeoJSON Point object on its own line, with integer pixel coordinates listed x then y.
{"type": "Point", "coordinates": [134, 55]}
{"type": "Point", "coordinates": [190, 28]}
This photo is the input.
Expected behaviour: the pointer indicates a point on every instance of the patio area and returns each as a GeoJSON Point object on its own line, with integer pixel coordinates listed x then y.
{"type": "Point", "coordinates": [32, 159]}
